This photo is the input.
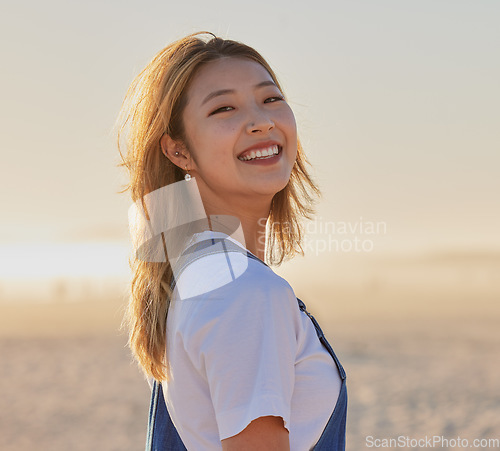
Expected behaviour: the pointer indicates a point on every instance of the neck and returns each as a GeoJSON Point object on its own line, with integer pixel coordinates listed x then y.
{"type": "Point", "coordinates": [252, 220]}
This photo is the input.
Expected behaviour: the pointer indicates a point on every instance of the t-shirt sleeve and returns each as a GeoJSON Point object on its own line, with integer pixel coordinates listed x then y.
{"type": "Point", "coordinates": [243, 340]}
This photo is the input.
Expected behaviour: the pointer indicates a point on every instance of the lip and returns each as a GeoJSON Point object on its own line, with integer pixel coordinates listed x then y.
{"type": "Point", "coordinates": [268, 161]}
{"type": "Point", "coordinates": [259, 145]}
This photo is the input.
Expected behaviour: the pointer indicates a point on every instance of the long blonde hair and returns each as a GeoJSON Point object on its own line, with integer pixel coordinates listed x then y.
{"type": "Point", "coordinates": [153, 106]}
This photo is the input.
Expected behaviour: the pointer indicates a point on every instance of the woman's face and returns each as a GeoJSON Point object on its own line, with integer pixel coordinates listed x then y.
{"type": "Point", "coordinates": [241, 134]}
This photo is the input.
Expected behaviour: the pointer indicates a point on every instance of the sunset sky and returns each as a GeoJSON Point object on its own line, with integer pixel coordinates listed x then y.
{"type": "Point", "coordinates": [397, 104]}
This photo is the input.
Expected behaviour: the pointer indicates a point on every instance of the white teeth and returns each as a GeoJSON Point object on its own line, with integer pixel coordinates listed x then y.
{"type": "Point", "coordinates": [261, 153]}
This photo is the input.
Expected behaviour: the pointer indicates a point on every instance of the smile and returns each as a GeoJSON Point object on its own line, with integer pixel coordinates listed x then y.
{"type": "Point", "coordinates": [261, 154]}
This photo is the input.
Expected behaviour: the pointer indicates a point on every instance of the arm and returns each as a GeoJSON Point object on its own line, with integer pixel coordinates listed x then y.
{"type": "Point", "coordinates": [243, 340]}
{"type": "Point", "coordinates": [263, 434]}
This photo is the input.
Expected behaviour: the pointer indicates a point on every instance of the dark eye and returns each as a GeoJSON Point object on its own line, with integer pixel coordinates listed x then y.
{"type": "Point", "coordinates": [274, 99]}
{"type": "Point", "coordinates": [221, 109]}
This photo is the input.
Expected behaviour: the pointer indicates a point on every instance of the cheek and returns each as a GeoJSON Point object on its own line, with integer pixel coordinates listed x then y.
{"type": "Point", "coordinates": [213, 146]}
{"type": "Point", "coordinates": [225, 131]}
{"type": "Point", "coordinates": [288, 123]}
{"type": "Point", "coordinates": [221, 140]}
{"type": "Point", "coordinates": [289, 126]}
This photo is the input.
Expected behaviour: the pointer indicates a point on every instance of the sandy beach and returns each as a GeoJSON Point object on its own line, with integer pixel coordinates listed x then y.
{"type": "Point", "coordinates": [422, 361]}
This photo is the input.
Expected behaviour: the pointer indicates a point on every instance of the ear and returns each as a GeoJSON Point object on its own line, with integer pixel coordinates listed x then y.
{"type": "Point", "coordinates": [175, 151]}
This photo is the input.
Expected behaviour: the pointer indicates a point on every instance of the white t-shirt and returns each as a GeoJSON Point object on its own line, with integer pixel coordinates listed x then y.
{"type": "Point", "coordinates": [239, 348]}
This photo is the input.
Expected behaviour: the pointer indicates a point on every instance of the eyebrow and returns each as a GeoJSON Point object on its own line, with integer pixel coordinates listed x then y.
{"type": "Point", "coordinates": [222, 92]}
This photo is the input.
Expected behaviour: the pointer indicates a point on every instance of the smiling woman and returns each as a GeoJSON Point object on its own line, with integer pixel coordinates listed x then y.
{"type": "Point", "coordinates": [236, 361]}
{"type": "Point", "coordinates": [225, 133]}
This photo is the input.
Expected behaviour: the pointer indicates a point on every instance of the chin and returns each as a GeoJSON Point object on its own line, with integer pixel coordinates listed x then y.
{"type": "Point", "coordinates": [271, 188]}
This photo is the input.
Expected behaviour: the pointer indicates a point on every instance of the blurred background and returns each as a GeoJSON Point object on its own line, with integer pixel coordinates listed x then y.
{"type": "Point", "coordinates": [397, 109]}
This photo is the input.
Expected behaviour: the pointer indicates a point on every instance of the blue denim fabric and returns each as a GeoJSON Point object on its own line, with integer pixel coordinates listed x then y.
{"type": "Point", "coordinates": [162, 435]}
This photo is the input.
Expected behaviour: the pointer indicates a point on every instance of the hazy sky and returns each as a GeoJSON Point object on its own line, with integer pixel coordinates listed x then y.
{"type": "Point", "coordinates": [397, 104]}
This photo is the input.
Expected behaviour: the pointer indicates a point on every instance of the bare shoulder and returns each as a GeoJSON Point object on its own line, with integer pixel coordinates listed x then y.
{"type": "Point", "coordinates": [264, 433]}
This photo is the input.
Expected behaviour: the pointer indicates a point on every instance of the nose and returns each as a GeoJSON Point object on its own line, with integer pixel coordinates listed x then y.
{"type": "Point", "coordinates": [260, 123]}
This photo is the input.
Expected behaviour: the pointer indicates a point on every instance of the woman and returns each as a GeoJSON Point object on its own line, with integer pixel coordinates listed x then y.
{"type": "Point", "coordinates": [237, 361]}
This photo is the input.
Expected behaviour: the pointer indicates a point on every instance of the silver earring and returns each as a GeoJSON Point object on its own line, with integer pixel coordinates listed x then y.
{"type": "Point", "coordinates": [176, 154]}
{"type": "Point", "coordinates": [187, 177]}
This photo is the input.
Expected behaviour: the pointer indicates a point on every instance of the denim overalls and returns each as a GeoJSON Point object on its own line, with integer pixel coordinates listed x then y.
{"type": "Point", "coordinates": [162, 435]}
